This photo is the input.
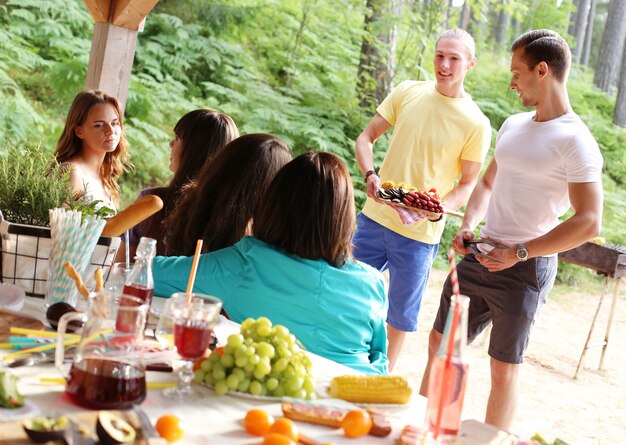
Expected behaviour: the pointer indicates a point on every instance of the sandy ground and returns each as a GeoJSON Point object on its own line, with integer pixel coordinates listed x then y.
{"type": "Point", "coordinates": [588, 410]}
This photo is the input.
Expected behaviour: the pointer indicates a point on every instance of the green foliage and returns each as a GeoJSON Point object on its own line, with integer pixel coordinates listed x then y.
{"type": "Point", "coordinates": [278, 66]}
{"type": "Point", "coordinates": [31, 183]}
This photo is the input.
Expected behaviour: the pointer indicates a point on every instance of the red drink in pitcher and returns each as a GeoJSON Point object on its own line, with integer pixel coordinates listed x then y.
{"type": "Point", "coordinates": [105, 384]}
{"type": "Point", "coordinates": [192, 338]}
{"type": "Point", "coordinates": [451, 399]}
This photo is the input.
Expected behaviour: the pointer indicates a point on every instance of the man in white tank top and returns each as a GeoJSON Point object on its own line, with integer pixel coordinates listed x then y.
{"type": "Point", "coordinates": [545, 161]}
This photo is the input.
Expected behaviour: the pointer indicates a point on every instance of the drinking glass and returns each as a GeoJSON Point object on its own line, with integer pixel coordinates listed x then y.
{"type": "Point", "coordinates": [117, 277]}
{"type": "Point", "coordinates": [193, 324]}
{"type": "Point", "coordinates": [164, 331]}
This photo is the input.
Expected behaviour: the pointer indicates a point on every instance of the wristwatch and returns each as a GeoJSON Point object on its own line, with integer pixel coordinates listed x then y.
{"type": "Point", "coordinates": [521, 252]}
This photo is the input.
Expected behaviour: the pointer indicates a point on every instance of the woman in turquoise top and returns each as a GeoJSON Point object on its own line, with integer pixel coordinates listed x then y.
{"type": "Point", "coordinates": [298, 268]}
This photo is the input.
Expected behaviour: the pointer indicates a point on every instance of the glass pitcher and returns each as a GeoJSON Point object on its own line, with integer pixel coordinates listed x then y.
{"type": "Point", "coordinates": [107, 371]}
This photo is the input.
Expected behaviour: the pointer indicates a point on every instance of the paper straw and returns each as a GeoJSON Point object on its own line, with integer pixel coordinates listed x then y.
{"type": "Point", "coordinates": [127, 247]}
{"type": "Point", "coordinates": [454, 279]}
{"type": "Point", "coordinates": [445, 377]}
{"type": "Point", "coordinates": [194, 269]}
{"type": "Point", "coordinates": [42, 348]}
{"type": "Point", "coordinates": [35, 332]}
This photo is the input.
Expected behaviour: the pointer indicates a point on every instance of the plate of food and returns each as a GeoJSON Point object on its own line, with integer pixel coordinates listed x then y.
{"type": "Point", "coordinates": [248, 396]}
{"type": "Point", "coordinates": [412, 198]}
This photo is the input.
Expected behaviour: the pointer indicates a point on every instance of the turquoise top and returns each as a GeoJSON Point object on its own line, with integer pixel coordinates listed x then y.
{"type": "Point", "coordinates": [338, 313]}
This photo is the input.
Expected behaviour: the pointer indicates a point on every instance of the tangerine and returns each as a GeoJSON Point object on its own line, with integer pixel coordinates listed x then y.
{"type": "Point", "coordinates": [168, 427]}
{"type": "Point", "coordinates": [277, 439]}
{"type": "Point", "coordinates": [356, 423]}
{"type": "Point", "coordinates": [257, 422]}
{"type": "Point", "coordinates": [285, 427]}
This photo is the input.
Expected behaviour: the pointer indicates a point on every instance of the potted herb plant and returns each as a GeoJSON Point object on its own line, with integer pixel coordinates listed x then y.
{"type": "Point", "coordinates": [31, 183]}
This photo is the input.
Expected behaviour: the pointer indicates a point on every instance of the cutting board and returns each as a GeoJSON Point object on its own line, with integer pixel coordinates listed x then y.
{"type": "Point", "coordinates": [12, 433]}
{"type": "Point", "coordinates": [9, 318]}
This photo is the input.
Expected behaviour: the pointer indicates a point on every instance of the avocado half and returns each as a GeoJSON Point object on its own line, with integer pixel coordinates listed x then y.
{"type": "Point", "coordinates": [113, 430]}
{"type": "Point", "coordinates": [44, 429]}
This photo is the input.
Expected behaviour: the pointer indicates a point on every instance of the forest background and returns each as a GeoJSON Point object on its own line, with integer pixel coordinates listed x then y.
{"type": "Point", "coordinates": [309, 71]}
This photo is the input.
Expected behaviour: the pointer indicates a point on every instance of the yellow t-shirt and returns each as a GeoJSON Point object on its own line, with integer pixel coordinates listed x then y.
{"type": "Point", "coordinates": [432, 134]}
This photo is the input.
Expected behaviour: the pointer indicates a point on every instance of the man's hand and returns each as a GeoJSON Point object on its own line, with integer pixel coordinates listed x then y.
{"type": "Point", "coordinates": [458, 243]}
{"type": "Point", "coordinates": [373, 184]}
{"type": "Point", "coordinates": [507, 258]}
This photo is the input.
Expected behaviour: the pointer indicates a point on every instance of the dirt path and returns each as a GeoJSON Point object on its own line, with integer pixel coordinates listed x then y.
{"type": "Point", "coordinates": [588, 410]}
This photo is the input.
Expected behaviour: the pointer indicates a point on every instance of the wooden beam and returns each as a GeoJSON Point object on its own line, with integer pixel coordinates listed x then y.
{"type": "Point", "coordinates": [99, 9]}
{"type": "Point", "coordinates": [111, 60]}
{"type": "Point", "coordinates": [130, 13]}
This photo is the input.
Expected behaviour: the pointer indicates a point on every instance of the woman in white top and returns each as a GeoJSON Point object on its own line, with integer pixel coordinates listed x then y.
{"type": "Point", "coordinates": [94, 146]}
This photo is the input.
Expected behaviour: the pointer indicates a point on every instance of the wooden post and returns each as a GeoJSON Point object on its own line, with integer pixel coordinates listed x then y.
{"type": "Point", "coordinates": [111, 60]}
{"type": "Point", "coordinates": [113, 45]}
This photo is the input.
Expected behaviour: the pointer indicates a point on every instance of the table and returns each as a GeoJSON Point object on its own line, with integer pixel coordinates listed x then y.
{"type": "Point", "coordinates": [214, 419]}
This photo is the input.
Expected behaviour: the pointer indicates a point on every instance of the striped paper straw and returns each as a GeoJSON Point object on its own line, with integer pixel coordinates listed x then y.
{"type": "Point", "coordinates": [454, 279]}
{"type": "Point", "coordinates": [73, 240]}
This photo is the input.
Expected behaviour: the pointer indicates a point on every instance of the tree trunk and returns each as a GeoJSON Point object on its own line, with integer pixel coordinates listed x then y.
{"type": "Point", "coordinates": [611, 47]}
{"type": "Point", "coordinates": [465, 15]}
{"type": "Point", "coordinates": [377, 61]}
{"type": "Point", "coordinates": [573, 10]}
{"type": "Point", "coordinates": [619, 115]}
{"type": "Point", "coordinates": [504, 19]}
{"type": "Point", "coordinates": [579, 28]}
{"type": "Point", "coordinates": [584, 57]}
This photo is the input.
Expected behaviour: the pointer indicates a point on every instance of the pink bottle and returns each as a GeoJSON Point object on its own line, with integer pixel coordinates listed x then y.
{"type": "Point", "coordinates": [448, 375]}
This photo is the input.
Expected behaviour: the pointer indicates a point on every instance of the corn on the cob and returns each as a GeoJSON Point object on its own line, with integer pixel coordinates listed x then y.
{"type": "Point", "coordinates": [371, 388]}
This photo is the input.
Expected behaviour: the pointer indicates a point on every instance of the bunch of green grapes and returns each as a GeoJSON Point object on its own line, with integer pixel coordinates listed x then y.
{"type": "Point", "coordinates": [261, 360]}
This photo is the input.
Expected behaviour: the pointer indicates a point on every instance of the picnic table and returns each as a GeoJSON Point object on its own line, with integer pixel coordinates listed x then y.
{"type": "Point", "coordinates": [214, 419]}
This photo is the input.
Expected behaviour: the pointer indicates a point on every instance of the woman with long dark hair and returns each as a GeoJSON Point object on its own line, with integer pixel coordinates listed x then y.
{"type": "Point", "coordinates": [297, 269]}
{"type": "Point", "coordinates": [218, 206]}
{"type": "Point", "coordinates": [198, 136]}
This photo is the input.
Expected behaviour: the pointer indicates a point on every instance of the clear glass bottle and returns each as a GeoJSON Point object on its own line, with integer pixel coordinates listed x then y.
{"type": "Point", "coordinates": [448, 375]}
{"type": "Point", "coordinates": [140, 282]}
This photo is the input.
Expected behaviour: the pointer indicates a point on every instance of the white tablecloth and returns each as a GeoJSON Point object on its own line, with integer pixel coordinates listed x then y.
{"type": "Point", "coordinates": [212, 420]}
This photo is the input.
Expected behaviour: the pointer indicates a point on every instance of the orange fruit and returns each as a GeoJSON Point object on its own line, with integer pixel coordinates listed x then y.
{"type": "Point", "coordinates": [277, 439]}
{"type": "Point", "coordinates": [219, 351]}
{"type": "Point", "coordinates": [356, 423]}
{"type": "Point", "coordinates": [258, 422]}
{"type": "Point", "coordinates": [168, 427]}
{"type": "Point", "coordinates": [285, 427]}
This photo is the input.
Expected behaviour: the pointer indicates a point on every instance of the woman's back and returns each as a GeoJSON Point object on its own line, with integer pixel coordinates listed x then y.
{"type": "Point", "coordinates": [336, 312]}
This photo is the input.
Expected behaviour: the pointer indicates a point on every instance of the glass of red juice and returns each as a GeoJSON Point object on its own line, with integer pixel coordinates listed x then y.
{"type": "Point", "coordinates": [192, 322]}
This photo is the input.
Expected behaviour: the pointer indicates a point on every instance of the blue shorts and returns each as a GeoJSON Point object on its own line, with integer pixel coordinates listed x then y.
{"type": "Point", "coordinates": [409, 264]}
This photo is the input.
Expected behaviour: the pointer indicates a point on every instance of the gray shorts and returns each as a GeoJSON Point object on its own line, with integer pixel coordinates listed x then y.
{"type": "Point", "coordinates": [509, 298]}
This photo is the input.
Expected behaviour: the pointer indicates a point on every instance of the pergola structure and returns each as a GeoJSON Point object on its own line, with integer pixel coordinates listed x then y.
{"type": "Point", "coordinates": [113, 45]}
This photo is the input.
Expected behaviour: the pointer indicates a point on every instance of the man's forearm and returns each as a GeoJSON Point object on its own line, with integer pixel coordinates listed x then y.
{"type": "Point", "coordinates": [476, 206]}
{"type": "Point", "coordinates": [458, 196]}
{"type": "Point", "coordinates": [569, 234]}
{"type": "Point", "coordinates": [364, 154]}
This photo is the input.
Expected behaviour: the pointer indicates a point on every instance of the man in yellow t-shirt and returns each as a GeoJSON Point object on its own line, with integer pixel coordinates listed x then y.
{"type": "Point", "coordinates": [439, 133]}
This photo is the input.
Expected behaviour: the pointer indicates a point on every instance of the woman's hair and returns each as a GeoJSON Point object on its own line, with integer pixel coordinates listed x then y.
{"type": "Point", "coordinates": [463, 36]}
{"type": "Point", "coordinates": [70, 145]}
{"type": "Point", "coordinates": [308, 209]}
{"type": "Point", "coordinates": [202, 133]}
{"type": "Point", "coordinates": [218, 206]}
